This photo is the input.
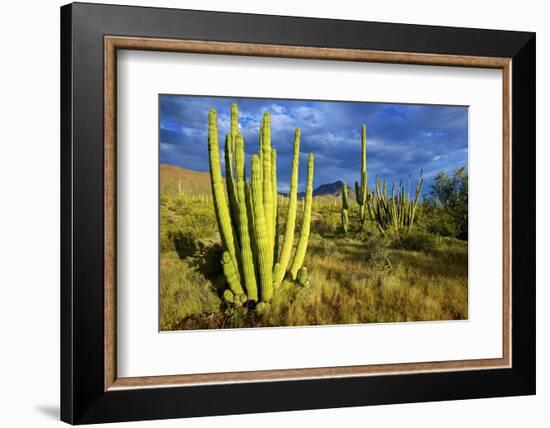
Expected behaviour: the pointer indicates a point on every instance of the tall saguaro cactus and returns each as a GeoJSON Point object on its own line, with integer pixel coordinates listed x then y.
{"type": "Point", "coordinates": [247, 215]}
{"type": "Point", "coordinates": [345, 208]}
{"type": "Point", "coordinates": [361, 189]}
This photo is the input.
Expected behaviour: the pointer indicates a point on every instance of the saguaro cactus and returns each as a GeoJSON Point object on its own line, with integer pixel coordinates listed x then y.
{"type": "Point", "coordinates": [361, 189]}
{"type": "Point", "coordinates": [397, 211]}
{"type": "Point", "coordinates": [248, 215]}
{"type": "Point", "coordinates": [345, 208]}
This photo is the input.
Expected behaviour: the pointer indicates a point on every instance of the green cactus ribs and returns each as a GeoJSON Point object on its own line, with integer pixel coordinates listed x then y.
{"type": "Point", "coordinates": [288, 240]}
{"type": "Point", "coordinates": [361, 189]}
{"type": "Point", "coordinates": [394, 212]}
{"type": "Point", "coordinates": [248, 215]}
{"type": "Point", "coordinates": [306, 222]}
{"type": "Point", "coordinates": [345, 208]}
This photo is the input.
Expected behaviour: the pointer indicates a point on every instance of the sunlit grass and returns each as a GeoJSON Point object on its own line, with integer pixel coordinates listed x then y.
{"type": "Point", "coordinates": [183, 292]}
{"type": "Point", "coordinates": [362, 277]}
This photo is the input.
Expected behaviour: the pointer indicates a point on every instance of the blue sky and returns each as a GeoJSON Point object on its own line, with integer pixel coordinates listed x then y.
{"type": "Point", "coordinates": [401, 138]}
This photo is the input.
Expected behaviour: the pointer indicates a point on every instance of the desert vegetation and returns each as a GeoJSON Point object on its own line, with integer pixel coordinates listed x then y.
{"type": "Point", "coordinates": [236, 253]}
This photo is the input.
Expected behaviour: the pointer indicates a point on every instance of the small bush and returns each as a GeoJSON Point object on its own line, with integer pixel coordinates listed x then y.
{"type": "Point", "coordinates": [185, 244]}
{"type": "Point", "coordinates": [443, 224]}
{"type": "Point", "coordinates": [178, 216]}
{"type": "Point", "coordinates": [378, 254]}
{"type": "Point", "coordinates": [414, 241]}
{"type": "Point", "coordinates": [327, 225]}
{"type": "Point", "coordinates": [366, 233]}
{"type": "Point", "coordinates": [207, 260]}
{"type": "Point", "coordinates": [380, 260]}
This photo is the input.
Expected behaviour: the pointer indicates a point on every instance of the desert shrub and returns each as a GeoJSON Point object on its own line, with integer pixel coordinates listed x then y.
{"type": "Point", "coordinates": [207, 260]}
{"type": "Point", "coordinates": [380, 259]}
{"type": "Point", "coordinates": [378, 253]}
{"type": "Point", "coordinates": [414, 241]}
{"type": "Point", "coordinates": [441, 223]}
{"type": "Point", "coordinates": [179, 216]}
{"type": "Point", "coordinates": [327, 224]}
{"type": "Point", "coordinates": [447, 204]}
{"type": "Point", "coordinates": [185, 244]}
{"type": "Point", "coordinates": [366, 233]}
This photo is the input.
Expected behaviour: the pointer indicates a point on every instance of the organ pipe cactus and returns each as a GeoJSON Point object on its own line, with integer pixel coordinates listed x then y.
{"type": "Point", "coordinates": [244, 222]}
{"type": "Point", "coordinates": [264, 250]}
{"type": "Point", "coordinates": [232, 277]}
{"type": "Point", "coordinates": [306, 221]}
{"type": "Point", "coordinates": [361, 189]}
{"type": "Point", "coordinates": [302, 277]}
{"type": "Point", "coordinates": [267, 181]}
{"type": "Point", "coordinates": [345, 208]}
{"type": "Point", "coordinates": [397, 211]}
{"type": "Point", "coordinates": [288, 240]}
{"type": "Point", "coordinates": [247, 214]}
{"type": "Point", "coordinates": [221, 205]}
{"type": "Point", "coordinates": [274, 200]}
{"type": "Point", "coordinates": [230, 182]}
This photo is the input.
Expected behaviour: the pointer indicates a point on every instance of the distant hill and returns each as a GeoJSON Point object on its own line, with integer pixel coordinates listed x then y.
{"type": "Point", "coordinates": [192, 182]}
{"type": "Point", "coordinates": [198, 183]}
{"type": "Point", "coordinates": [328, 189]}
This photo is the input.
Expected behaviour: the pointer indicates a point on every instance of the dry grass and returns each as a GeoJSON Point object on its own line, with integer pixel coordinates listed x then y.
{"type": "Point", "coordinates": [348, 286]}
{"type": "Point", "coordinates": [357, 279]}
{"type": "Point", "coordinates": [184, 291]}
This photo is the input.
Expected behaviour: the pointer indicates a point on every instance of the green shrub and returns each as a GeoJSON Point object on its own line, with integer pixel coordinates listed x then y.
{"type": "Point", "coordinates": [449, 194]}
{"type": "Point", "coordinates": [185, 244]}
{"type": "Point", "coordinates": [368, 233]}
{"type": "Point", "coordinates": [442, 223]}
{"type": "Point", "coordinates": [414, 241]}
{"type": "Point", "coordinates": [207, 260]}
{"type": "Point", "coordinates": [379, 259]}
{"type": "Point", "coordinates": [327, 224]}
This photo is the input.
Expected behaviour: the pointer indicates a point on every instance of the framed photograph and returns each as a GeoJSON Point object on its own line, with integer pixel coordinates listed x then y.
{"type": "Point", "coordinates": [267, 213]}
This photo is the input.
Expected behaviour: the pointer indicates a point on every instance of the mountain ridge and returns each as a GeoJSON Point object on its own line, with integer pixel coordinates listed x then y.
{"type": "Point", "coordinates": [173, 178]}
